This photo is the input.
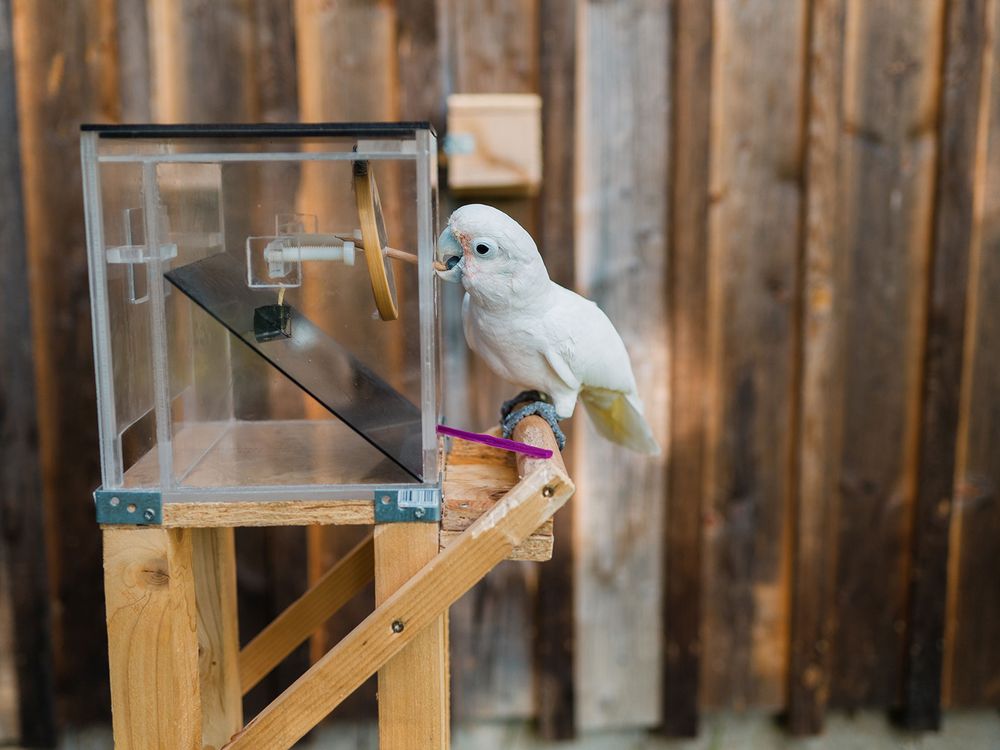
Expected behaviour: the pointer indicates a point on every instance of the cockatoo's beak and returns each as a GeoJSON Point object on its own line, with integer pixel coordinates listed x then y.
{"type": "Point", "coordinates": [450, 260]}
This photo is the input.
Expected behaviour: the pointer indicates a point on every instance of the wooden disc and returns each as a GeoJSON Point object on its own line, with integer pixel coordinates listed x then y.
{"type": "Point", "coordinates": [374, 240]}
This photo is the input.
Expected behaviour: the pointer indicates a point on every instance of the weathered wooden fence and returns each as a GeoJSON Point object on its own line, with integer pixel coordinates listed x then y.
{"type": "Point", "coordinates": [790, 208]}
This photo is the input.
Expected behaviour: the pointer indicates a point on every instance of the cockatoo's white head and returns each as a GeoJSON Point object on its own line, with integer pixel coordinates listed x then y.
{"type": "Point", "coordinates": [492, 255]}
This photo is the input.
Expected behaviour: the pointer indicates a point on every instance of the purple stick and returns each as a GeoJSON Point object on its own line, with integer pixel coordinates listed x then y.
{"type": "Point", "coordinates": [495, 442]}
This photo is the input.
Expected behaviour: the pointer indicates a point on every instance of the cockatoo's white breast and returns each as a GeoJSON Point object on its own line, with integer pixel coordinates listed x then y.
{"type": "Point", "coordinates": [559, 348]}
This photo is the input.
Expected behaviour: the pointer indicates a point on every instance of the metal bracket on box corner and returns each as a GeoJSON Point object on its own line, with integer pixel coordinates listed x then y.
{"type": "Point", "coordinates": [414, 505]}
{"type": "Point", "coordinates": [125, 507]}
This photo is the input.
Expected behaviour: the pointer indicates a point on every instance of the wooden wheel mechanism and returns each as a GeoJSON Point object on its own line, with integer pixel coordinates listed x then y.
{"type": "Point", "coordinates": [374, 239]}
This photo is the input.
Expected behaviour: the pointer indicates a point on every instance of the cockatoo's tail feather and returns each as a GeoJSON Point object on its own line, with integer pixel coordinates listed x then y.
{"type": "Point", "coordinates": [533, 332]}
{"type": "Point", "coordinates": [619, 418]}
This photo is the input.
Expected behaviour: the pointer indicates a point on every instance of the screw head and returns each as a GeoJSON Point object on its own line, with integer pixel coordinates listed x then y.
{"type": "Point", "coordinates": [386, 499]}
{"type": "Point", "coordinates": [115, 501]}
{"type": "Point", "coordinates": [419, 512]}
{"type": "Point", "coordinates": [149, 514]}
{"type": "Point", "coordinates": [549, 491]}
{"type": "Point", "coordinates": [397, 626]}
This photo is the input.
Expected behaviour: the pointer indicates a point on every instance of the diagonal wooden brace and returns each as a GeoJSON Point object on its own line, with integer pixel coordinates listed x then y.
{"type": "Point", "coordinates": [402, 616]}
{"type": "Point", "coordinates": [337, 586]}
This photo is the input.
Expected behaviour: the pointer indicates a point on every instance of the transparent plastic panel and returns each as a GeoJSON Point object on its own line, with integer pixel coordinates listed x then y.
{"type": "Point", "coordinates": [200, 377]}
{"type": "Point", "coordinates": [127, 291]}
{"type": "Point", "coordinates": [249, 345]}
{"type": "Point", "coordinates": [304, 352]}
{"type": "Point", "coordinates": [377, 145]}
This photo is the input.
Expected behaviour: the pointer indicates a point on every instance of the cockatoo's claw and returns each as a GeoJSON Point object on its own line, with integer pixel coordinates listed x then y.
{"type": "Point", "coordinates": [521, 398]}
{"type": "Point", "coordinates": [543, 409]}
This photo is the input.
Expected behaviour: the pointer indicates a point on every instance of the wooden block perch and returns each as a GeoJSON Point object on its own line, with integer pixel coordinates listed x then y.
{"type": "Point", "coordinates": [476, 477]}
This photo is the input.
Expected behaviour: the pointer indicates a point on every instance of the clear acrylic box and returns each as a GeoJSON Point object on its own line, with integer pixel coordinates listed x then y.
{"type": "Point", "coordinates": [264, 308]}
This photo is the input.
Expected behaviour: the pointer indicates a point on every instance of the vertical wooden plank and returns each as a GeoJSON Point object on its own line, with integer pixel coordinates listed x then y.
{"type": "Point", "coordinates": [214, 569]}
{"type": "Point", "coordinates": [10, 724]}
{"type": "Point", "coordinates": [274, 61]}
{"type": "Point", "coordinates": [66, 74]}
{"type": "Point", "coordinates": [555, 636]}
{"type": "Point", "coordinates": [22, 526]}
{"type": "Point", "coordinates": [489, 48]}
{"type": "Point", "coordinates": [413, 685]}
{"type": "Point", "coordinates": [134, 63]}
{"type": "Point", "coordinates": [757, 162]}
{"type": "Point", "coordinates": [813, 608]}
{"type": "Point", "coordinates": [973, 656]}
{"type": "Point", "coordinates": [152, 638]}
{"type": "Point", "coordinates": [688, 300]}
{"type": "Point", "coordinates": [891, 75]}
{"type": "Point", "coordinates": [188, 40]}
{"type": "Point", "coordinates": [964, 85]}
{"type": "Point", "coordinates": [346, 71]}
{"type": "Point", "coordinates": [494, 46]}
{"type": "Point", "coordinates": [623, 118]}
{"type": "Point", "coordinates": [420, 62]}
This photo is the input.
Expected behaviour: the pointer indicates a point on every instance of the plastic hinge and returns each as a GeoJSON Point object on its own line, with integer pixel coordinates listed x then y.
{"type": "Point", "coordinates": [418, 504]}
{"type": "Point", "coordinates": [128, 507]}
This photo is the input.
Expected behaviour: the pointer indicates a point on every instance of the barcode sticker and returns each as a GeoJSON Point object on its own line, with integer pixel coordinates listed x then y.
{"type": "Point", "coordinates": [417, 498]}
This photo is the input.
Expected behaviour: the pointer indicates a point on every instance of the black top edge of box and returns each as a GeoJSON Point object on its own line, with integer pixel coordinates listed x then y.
{"type": "Point", "coordinates": [259, 130]}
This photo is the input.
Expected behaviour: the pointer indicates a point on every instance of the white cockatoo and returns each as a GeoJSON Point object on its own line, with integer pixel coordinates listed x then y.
{"type": "Point", "coordinates": [536, 334]}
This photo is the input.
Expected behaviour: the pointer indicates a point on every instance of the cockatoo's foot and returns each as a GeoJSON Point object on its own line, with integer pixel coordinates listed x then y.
{"type": "Point", "coordinates": [543, 409]}
{"type": "Point", "coordinates": [521, 398]}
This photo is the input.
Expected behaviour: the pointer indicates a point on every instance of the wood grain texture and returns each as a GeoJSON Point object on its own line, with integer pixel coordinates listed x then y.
{"type": "Point", "coordinates": [413, 697]}
{"type": "Point", "coordinates": [198, 514]}
{"type": "Point", "coordinates": [416, 605]}
{"type": "Point", "coordinates": [688, 299]}
{"type": "Point", "coordinates": [188, 39]}
{"type": "Point", "coordinates": [22, 524]}
{"type": "Point", "coordinates": [623, 116]}
{"type": "Point", "coordinates": [972, 661]}
{"type": "Point", "coordinates": [536, 548]}
{"type": "Point", "coordinates": [66, 70]}
{"type": "Point", "coordinates": [152, 639]}
{"type": "Point", "coordinates": [10, 724]}
{"type": "Point", "coordinates": [134, 74]}
{"type": "Point", "coordinates": [757, 163]}
{"type": "Point", "coordinates": [555, 630]}
{"type": "Point", "coordinates": [814, 549]}
{"type": "Point", "coordinates": [889, 150]}
{"type": "Point", "coordinates": [488, 48]}
{"type": "Point", "coordinates": [476, 477]}
{"type": "Point", "coordinates": [964, 93]}
{"type": "Point", "coordinates": [213, 559]}
{"type": "Point", "coordinates": [420, 62]}
{"type": "Point", "coordinates": [293, 626]}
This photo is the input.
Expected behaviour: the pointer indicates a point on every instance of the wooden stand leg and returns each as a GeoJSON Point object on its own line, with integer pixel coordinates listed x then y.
{"type": "Point", "coordinates": [152, 639]}
{"type": "Point", "coordinates": [214, 557]}
{"type": "Point", "coordinates": [413, 699]}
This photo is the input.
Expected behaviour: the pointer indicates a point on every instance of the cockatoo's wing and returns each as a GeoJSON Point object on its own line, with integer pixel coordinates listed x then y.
{"type": "Point", "coordinates": [588, 355]}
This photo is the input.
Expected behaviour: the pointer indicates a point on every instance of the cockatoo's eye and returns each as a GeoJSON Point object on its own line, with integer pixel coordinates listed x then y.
{"type": "Point", "coordinates": [484, 247]}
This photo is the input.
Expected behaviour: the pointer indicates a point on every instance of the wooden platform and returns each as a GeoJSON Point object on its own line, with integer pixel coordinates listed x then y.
{"type": "Point", "coordinates": [177, 672]}
{"type": "Point", "coordinates": [317, 452]}
{"type": "Point", "coordinates": [476, 477]}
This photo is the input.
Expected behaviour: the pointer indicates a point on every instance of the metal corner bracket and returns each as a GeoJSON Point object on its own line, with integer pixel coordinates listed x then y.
{"type": "Point", "coordinates": [416, 505]}
{"type": "Point", "coordinates": [125, 507]}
